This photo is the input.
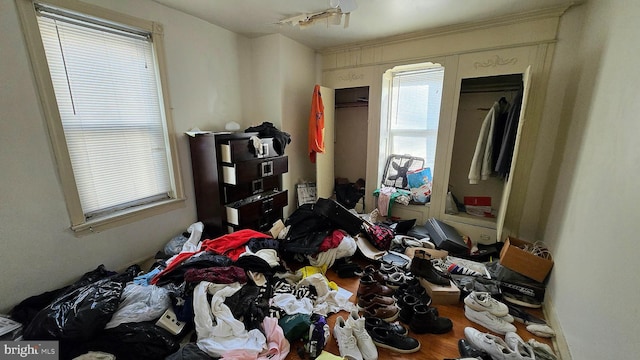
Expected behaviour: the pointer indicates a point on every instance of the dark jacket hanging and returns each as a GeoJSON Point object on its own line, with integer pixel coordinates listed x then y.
{"type": "Point", "coordinates": [503, 164]}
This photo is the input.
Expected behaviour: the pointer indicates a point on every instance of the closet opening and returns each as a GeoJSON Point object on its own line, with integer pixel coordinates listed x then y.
{"type": "Point", "coordinates": [485, 134]}
{"type": "Point", "coordinates": [351, 133]}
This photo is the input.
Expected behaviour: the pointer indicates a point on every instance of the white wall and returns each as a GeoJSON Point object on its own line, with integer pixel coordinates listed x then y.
{"type": "Point", "coordinates": [38, 251]}
{"type": "Point", "coordinates": [283, 80]}
{"type": "Point", "coordinates": [593, 205]}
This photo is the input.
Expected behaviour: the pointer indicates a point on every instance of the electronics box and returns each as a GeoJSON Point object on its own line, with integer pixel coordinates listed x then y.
{"type": "Point", "coordinates": [515, 258]}
{"type": "Point", "coordinates": [441, 295]}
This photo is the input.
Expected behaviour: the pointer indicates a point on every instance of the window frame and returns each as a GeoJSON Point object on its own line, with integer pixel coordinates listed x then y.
{"type": "Point", "coordinates": [47, 97]}
{"type": "Point", "coordinates": [387, 134]}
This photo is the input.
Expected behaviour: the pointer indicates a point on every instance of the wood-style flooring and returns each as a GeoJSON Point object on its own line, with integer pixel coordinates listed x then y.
{"type": "Point", "coordinates": [433, 347]}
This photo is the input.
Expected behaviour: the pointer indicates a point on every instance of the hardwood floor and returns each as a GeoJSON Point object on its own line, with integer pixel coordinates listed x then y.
{"type": "Point", "coordinates": [433, 347]}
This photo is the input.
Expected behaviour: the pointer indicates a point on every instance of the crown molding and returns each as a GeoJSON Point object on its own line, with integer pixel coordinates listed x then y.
{"type": "Point", "coordinates": [551, 12]}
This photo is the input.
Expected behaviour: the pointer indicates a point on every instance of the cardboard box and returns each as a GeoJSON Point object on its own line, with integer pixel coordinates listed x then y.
{"type": "Point", "coordinates": [441, 295]}
{"type": "Point", "coordinates": [515, 258]}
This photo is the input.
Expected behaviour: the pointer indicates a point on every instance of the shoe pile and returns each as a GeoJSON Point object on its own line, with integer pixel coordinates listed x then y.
{"type": "Point", "coordinates": [414, 304]}
{"type": "Point", "coordinates": [375, 297]}
{"type": "Point", "coordinates": [511, 348]}
{"type": "Point", "coordinates": [395, 275]}
{"type": "Point", "coordinates": [534, 325]}
{"type": "Point", "coordinates": [422, 318]}
{"type": "Point", "coordinates": [482, 309]}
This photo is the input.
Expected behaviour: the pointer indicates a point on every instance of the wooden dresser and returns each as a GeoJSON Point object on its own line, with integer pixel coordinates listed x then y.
{"type": "Point", "coordinates": [238, 180]}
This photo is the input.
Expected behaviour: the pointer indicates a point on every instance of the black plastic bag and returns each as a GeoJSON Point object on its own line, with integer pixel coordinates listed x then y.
{"type": "Point", "coordinates": [77, 315]}
{"type": "Point", "coordinates": [28, 308]}
{"type": "Point", "coordinates": [136, 341]}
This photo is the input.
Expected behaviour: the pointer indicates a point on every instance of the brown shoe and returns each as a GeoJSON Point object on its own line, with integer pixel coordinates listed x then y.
{"type": "Point", "coordinates": [385, 312]}
{"type": "Point", "coordinates": [367, 300]}
{"type": "Point", "coordinates": [376, 274]}
{"type": "Point", "coordinates": [370, 286]}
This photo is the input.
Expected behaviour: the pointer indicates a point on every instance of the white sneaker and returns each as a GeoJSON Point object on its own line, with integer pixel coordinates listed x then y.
{"type": "Point", "coordinates": [365, 343]}
{"type": "Point", "coordinates": [347, 343]}
{"type": "Point", "coordinates": [491, 344]}
{"type": "Point", "coordinates": [522, 349]}
{"type": "Point", "coordinates": [482, 301]}
{"type": "Point", "coordinates": [542, 350]}
{"type": "Point", "coordinates": [542, 330]}
{"type": "Point", "coordinates": [491, 322]}
{"type": "Point", "coordinates": [508, 318]}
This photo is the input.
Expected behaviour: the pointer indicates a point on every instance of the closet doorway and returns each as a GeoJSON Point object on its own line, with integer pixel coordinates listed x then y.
{"type": "Point", "coordinates": [350, 136]}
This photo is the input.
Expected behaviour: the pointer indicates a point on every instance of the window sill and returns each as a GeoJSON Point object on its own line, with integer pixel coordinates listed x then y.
{"type": "Point", "coordinates": [126, 217]}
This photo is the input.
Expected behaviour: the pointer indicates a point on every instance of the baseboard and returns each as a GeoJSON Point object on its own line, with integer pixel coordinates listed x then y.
{"type": "Point", "coordinates": [559, 341]}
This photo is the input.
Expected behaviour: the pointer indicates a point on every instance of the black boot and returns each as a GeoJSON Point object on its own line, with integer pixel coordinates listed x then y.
{"type": "Point", "coordinates": [426, 320]}
{"type": "Point", "coordinates": [421, 266]}
{"type": "Point", "coordinates": [406, 304]}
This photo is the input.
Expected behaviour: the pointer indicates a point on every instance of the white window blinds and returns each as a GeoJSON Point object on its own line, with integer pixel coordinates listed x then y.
{"type": "Point", "coordinates": [106, 87]}
{"type": "Point", "coordinates": [414, 113]}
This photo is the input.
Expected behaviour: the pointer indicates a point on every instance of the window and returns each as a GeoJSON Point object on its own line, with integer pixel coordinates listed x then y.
{"type": "Point", "coordinates": [411, 112]}
{"type": "Point", "coordinates": [101, 85]}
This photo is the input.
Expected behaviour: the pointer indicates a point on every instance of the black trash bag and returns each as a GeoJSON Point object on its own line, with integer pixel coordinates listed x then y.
{"type": "Point", "coordinates": [28, 308]}
{"type": "Point", "coordinates": [77, 315]}
{"type": "Point", "coordinates": [348, 194]}
{"type": "Point", "coordinates": [306, 232]}
{"type": "Point", "coordinates": [136, 341]}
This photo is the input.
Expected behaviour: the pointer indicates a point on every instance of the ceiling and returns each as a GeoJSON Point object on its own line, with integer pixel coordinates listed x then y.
{"type": "Point", "coordinates": [372, 19]}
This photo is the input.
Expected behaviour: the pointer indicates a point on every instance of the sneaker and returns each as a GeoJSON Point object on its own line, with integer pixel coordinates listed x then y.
{"type": "Point", "coordinates": [396, 280]}
{"type": "Point", "coordinates": [522, 349]}
{"type": "Point", "coordinates": [489, 343]}
{"type": "Point", "coordinates": [488, 320]}
{"type": "Point", "coordinates": [542, 350]}
{"type": "Point", "coordinates": [363, 339]}
{"type": "Point", "coordinates": [347, 343]}
{"type": "Point", "coordinates": [384, 312]}
{"type": "Point", "coordinates": [388, 339]}
{"type": "Point", "coordinates": [541, 330]}
{"type": "Point", "coordinates": [522, 300]}
{"type": "Point", "coordinates": [367, 300]}
{"type": "Point", "coordinates": [508, 318]}
{"type": "Point", "coordinates": [524, 317]}
{"type": "Point", "coordinates": [467, 351]}
{"type": "Point", "coordinates": [388, 269]}
{"type": "Point", "coordinates": [371, 322]}
{"type": "Point", "coordinates": [461, 270]}
{"type": "Point", "coordinates": [375, 274]}
{"type": "Point", "coordinates": [482, 301]}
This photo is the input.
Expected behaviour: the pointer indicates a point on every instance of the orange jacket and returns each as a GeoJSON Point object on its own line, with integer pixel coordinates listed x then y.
{"type": "Point", "coordinates": [316, 125]}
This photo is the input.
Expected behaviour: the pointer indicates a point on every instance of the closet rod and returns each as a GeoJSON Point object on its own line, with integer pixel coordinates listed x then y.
{"type": "Point", "coordinates": [463, 91]}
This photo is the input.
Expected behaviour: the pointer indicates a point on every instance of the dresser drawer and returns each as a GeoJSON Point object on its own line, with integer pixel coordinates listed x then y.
{"type": "Point", "coordinates": [233, 193]}
{"type": "Point", "coordinates": [236, 150]}
{"type": "Point", "coordinates": [254, 208]}
{"type": "Point", "coordinates": [247, 171]}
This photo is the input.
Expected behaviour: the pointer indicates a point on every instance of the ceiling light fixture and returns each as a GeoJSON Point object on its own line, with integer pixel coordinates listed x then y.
{"type": "Point", "coordinates": [333, 15]}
